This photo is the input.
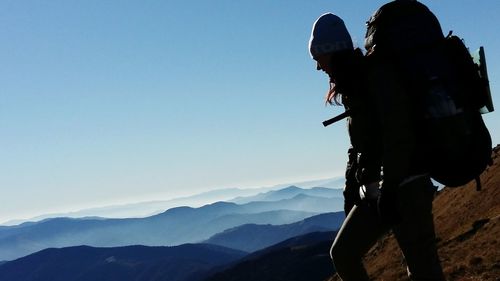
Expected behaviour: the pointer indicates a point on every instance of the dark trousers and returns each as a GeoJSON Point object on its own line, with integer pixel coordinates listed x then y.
{"type": "Point", "coordinates": [414, 234]}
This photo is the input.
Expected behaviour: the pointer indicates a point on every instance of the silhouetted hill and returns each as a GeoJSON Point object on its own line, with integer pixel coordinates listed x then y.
{"type": "Point", "coordinates": [468, 230]}
{"type": "Point", "coordinates": [302, 258]}
{"type": "Point", "coordinates": [134, 263]}
{"type": "Point", "coordinates": [174, 227]}
{"type": "Point", "coordinates": [252, 237]}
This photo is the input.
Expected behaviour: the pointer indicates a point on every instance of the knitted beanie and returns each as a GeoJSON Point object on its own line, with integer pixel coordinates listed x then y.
{"type": "Point", "coordinates": [329, 34]}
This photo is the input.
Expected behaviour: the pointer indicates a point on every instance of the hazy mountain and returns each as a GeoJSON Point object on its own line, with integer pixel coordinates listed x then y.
{"type": "Point", "coordinates": [253, 237]}
{"type": "Point", "coordinates": [236, 195]}
{"type": "Point", "coordinates": [290, 192]}
{"type": "Point", "coordinates": [149, 208]}
{"type": "Point", "coordinates": [302, 258]}
{"type": "Point", "coordinates": [300, 202]}
{"type": "Point", "coordinates": [134, 263]}
{"type": "Point", "coordinates": [335, 183]}
{"type": "Point", "coordinates": [174, 227]}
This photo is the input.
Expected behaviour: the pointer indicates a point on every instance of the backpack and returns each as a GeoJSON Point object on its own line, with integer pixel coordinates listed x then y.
{"type": "Point", "coordinates": [446, 85]}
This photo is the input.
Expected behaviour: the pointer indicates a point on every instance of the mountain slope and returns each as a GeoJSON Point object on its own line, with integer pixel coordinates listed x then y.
{"type": "Point", "coordinates": [468, 230]}
{"type": "Point", "coordinates": [252, 237]}
{"type": "Point", "coordinates": [302, 258]}
{"type": "Point", "coordinates": [134, 263]}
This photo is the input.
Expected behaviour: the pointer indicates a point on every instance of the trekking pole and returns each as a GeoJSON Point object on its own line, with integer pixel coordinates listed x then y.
{"type": "Point", "coordinates": [337, 118]}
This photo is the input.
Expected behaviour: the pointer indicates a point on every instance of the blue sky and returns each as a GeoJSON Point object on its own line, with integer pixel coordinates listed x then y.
{"type": "Point", "coordinates": [105, 102]}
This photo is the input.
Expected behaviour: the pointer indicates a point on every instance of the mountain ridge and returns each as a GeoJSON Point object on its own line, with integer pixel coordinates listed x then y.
{"type": "Point", "coordinates": [288, 193]}
{"type": "Point", "coordinates": [253, 237]}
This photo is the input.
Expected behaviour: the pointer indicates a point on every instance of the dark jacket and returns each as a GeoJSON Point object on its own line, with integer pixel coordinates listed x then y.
{"type": "Point", "coordinates": [382, 128]}
{"type": "Point", "coordinates": [365, 154]}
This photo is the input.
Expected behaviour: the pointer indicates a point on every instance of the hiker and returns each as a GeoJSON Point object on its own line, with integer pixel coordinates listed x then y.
{"type": "Point", "coordinates": [382, 130]}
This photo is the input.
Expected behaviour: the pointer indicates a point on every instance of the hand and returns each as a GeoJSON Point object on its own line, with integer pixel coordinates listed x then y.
{"type": "Point", "coordinates": [370, 191]}
{"type": "Point", "coordinates": [351, 197]}
{"type": "Point", "coordinates": [369, 194]}
{"type": "Point", "coordinates": [388, 206]}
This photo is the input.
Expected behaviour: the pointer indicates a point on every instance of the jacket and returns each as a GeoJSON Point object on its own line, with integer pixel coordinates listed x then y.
{"type": "Point", "coordinates": [382, 127]}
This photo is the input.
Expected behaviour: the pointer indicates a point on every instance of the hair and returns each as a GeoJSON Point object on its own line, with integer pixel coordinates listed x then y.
{"type": "Point", "coordinates": [332, 96]}
{"type": "Point", "coordinates": [347, 62]}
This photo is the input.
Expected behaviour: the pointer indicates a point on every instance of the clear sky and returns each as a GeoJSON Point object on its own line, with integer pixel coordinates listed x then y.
{"type": "Point", "coordinates": [105, 102]}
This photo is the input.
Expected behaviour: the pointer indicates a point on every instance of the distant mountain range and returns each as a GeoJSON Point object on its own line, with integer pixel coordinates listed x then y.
{"type": "Point", "coordinates": [187, 262]}
{"type": "Point", "coordinates": [173, 227]}
{"type": "Point", "coordinates": [229, 231]}
{"type": "Point", "coordinates": [149, 208]}
{"type": "Point", "coordinates": [132, 263]}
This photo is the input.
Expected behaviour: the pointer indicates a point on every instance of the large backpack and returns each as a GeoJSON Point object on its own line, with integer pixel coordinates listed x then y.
{"type": "Point", "coordinates": [446, 86]}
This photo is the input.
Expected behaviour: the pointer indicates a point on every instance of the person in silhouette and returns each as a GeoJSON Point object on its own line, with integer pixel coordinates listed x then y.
{"type": "Point", "coordinates": [382, 135]}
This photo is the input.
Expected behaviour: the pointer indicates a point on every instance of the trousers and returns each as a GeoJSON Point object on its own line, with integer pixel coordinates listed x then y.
{"type": "Point", "coordinates": [414, 233]}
